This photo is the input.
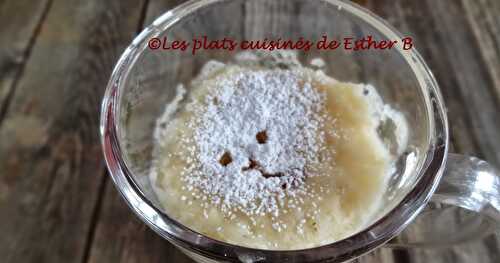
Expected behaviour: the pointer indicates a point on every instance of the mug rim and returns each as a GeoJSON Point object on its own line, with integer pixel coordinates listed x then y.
{"type": "Point", "coordinates": [396, 219]}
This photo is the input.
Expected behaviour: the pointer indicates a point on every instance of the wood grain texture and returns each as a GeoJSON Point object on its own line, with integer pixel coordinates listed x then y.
{"type": "Point", "coordinates": [16, 41]}
{"type": "Point", "coordinates": [119, 235]}
{"type": "Point", "coordinates": [50, 155]}
{"type": "Point", "coordinates": [122, 237]}
{"type": "Point", "coordinates": [454, 53]}
{"type": "Point", "coordinates": [55, 204]}
{"type": "Point", "coordinates": [484, 21]}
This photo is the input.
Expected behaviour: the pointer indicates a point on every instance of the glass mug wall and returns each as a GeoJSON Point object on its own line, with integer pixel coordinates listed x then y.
{"type": "Point", "coordinates": [144, 81]}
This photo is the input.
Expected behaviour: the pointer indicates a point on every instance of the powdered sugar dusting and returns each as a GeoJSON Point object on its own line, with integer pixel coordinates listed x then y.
{"type": "Point", "coordinates": [258, 135]}
{"type": "Point", "coordinates": [260, 152]}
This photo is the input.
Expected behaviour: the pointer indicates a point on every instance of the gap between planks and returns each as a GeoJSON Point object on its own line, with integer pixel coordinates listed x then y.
{"type": "Point", "coordinates": [95, 216]}
{"type": "Point", "coordinates": [26, 55]}
{"type": "Point", "coordinates": [96, 213]}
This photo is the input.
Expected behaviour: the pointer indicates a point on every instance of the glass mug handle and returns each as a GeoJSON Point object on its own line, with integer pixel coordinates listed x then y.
{"type": "Point", "coordinates": [468, 183]}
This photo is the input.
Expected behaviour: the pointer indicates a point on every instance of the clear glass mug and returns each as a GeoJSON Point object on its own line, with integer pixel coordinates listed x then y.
{"type": "Point", "coordinates": [144, 81]}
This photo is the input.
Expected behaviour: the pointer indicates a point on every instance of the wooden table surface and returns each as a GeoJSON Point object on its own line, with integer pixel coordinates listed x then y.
{"type": "Point", "coordinates": [57, 204]}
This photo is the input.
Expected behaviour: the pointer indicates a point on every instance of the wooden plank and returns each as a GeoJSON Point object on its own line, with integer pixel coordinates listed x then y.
{"type": "Point", "coordinates": [120, 236]}
{"type": "Point", "coordinates": [473, 83]}
{"type": "Point", "coordinates": [24, 18]}
{"type": "Point", "coordinates": [50, 155]}
{"type": "Point", "coordinates": [483, 17]}
{"type": "Point", "coordinates": [408, 20]}
{"type": "Point", "coordinates": [454, 56]}
{"type": "Point", "coordinates": [445, 39]}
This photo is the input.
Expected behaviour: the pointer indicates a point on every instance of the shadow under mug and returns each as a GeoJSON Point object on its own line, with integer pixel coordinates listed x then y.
{"type": "Point", "coordinates": [144, 81]}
